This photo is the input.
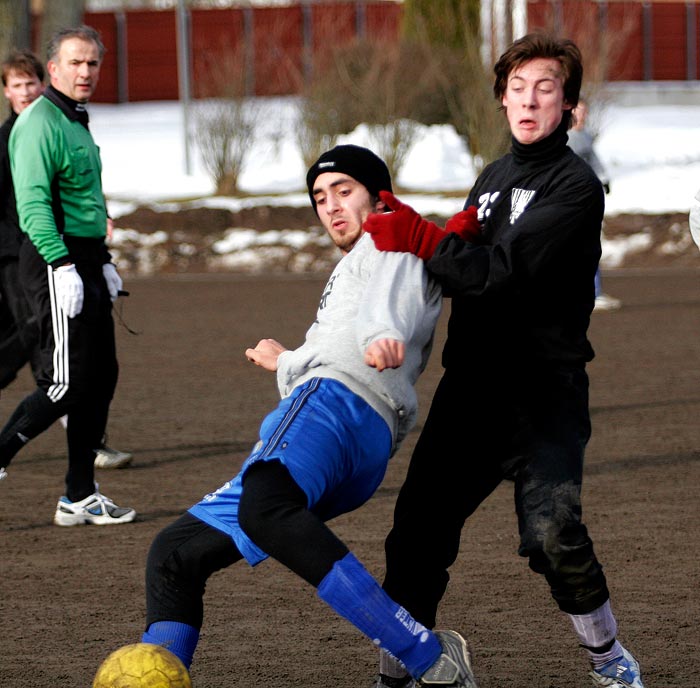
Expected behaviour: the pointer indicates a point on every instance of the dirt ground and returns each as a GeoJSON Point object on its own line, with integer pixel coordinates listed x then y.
{"type": "Point", "coordinates": [188, 405]}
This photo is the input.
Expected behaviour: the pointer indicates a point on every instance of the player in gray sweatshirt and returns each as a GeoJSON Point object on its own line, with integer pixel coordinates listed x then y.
{"type": "Point", "coordinates": [347, 402]}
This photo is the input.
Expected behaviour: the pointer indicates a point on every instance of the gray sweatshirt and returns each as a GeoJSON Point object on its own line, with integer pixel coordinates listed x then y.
{"type": "Point", "coordinates": [370, 295]}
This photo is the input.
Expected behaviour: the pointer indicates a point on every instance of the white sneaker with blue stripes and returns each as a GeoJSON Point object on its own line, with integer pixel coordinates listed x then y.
{"type": "Point", "coordinates": [621, 672]}
{"type": "Point", "coordinates": [96, 509]}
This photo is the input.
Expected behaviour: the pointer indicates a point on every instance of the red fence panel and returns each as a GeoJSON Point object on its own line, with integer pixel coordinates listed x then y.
{"type": "Point", "coordinates": [218, 52]}
{"type": "Point", "coordinates": [383, 21]}
{"type": "Point", "coordinates": [152, 55]}
{"type": "Point", "coordinates": [669, 41]}
{"type": "Point", "coordinates": [108, 87]}
{"type": "Point", "coordinates": [696, 29]}
{"type": "Point", "coordinates": [278, 47]}
{"type": "Point", "coordinates": [265, 45]}
{"type": "Point", "coordinates": [626, 61]}
{"type": "Point", "coordinates": [332, 26]}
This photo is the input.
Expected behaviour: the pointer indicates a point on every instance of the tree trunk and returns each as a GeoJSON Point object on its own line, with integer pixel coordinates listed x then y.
{"type": "Point", "coordinates": [14, 33]}
{"type": "Point", "coordinates": [58, 15]}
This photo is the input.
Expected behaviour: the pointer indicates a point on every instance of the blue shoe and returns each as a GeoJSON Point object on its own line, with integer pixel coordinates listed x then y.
{"type": "Point", "coordinates": [621, 672]}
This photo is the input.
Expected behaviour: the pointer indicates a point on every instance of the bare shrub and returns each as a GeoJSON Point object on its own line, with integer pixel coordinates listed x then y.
{"type": "Point", "coordinates": [364, 82]}
{"type": "Point", "coordinates": [446, 39]}
{"type": "Point", "coordinates": [318, 126]}
{"type": "Point", "coordinates": [392, 141]}
{"type": "Point", "coordinates": [226, 124]}
{"type": "Point", "coordinates": [224, 134]}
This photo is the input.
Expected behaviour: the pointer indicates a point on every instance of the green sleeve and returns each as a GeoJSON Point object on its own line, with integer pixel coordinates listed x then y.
{"type": "Point", "coordinates": [36, 146]}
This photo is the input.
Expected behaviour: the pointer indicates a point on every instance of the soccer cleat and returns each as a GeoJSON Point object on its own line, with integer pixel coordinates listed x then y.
{"type": "Point", "coordinates": [3, 474]}
{"type": "Point", "coordinates": [604, 302]}
{"type": "Point", "coordinates": [621, 672]}
{"type": "Point", "coordinates": [106, 457]}
{"type": "Point", "coordinates": [384, 681]}
{"type": "Point", "coordinates": [454, 666]}
{"type": "Point", "coordinates": [96, 509]}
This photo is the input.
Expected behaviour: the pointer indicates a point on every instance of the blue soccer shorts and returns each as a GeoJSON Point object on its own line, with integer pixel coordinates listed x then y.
{"type": "Point", "coordinates": [333, 443]}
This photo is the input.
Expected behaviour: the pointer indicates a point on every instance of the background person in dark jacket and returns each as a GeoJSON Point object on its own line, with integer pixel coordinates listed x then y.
{"type": "Point", "coordinates": [66, 272]}
{"type": "Point", "coordinates": [513, 401]}
{"type": "Point", "coordinates": [23, 83]}
{"type": "Point", "coordinates": [581, 142]}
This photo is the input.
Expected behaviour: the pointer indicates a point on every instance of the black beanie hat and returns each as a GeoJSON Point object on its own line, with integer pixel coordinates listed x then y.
{"type": "Point", "coordinates": [357, 162]}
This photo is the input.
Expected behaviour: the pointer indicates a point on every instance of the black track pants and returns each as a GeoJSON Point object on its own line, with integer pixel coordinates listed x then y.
{"type": "Point", "coordinates": [79, 367]}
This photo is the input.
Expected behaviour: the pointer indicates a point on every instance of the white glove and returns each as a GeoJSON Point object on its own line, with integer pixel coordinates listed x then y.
{"type": "Point", "coordinates": [68, 287]}
{"type": "Point", "coordinates": [114, 282]}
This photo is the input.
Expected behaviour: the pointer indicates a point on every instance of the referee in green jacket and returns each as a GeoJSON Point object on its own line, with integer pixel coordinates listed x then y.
{"type": "Point", "coordinates": [65, 269]}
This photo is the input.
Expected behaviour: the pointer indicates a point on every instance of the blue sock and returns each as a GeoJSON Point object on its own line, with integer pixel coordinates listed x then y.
{"type": "Point", "coordinates": [356, 596]}
{"type": "Point", "coordinates": [177, 637]}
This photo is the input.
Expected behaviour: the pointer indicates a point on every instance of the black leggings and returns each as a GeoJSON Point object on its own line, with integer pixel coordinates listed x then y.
{"type": "Point", "coordinates": [274, 515]}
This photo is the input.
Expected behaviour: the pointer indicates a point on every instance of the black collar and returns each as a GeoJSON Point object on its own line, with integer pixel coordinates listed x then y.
{"type": "Point", "coordinates": [548, 148]}
{"type": "Point", "coordinates": [71, 108]}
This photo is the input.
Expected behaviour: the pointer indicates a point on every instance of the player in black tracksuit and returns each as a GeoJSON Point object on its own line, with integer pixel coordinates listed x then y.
{"type": "Point", "coordinates": [513, 400]}
{"type": "Point", "coordinates": [18, 329]}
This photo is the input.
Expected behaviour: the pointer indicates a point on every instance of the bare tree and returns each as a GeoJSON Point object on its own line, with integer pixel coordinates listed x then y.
{"type": "Point", "coordinates": [446, 35]}
{"type": "Point", "coordinates": [317, 129]}
{"type": "Point", "coordinates": [225, 125]}
{"type": "Point", "coordinates": [363, 82]}
{"type": "Point", "coordinates": [225, 132]}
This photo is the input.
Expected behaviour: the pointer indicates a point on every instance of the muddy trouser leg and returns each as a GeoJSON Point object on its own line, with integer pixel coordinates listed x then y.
{"type": "Point", "coordinates": [548, 502]}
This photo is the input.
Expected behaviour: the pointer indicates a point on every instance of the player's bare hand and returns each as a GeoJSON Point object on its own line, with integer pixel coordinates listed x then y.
{"type": "Point", "coordinates": [385, 353]}
{"type": "Point", "coordinates": [265, 354]}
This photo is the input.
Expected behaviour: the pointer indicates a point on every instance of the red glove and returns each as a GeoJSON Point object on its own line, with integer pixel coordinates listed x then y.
{"type": "Point", "coordinates": [403, 230]}
{"type": "Point", "coordinates": [465, 224]}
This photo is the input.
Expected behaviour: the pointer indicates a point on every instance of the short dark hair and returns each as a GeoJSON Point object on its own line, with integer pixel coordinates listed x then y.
{"type": "Point", "coordinates": [536, 45]}
{"type": "Point", "coordinates": [84, 32]}
{"type": "Point", "coordinates": [23, 62]}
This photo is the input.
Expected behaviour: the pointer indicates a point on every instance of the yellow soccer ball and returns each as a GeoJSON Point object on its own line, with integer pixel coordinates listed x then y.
{"type": "Point", "coordinates": [142, 665]}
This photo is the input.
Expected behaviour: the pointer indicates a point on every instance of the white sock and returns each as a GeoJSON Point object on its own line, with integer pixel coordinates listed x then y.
{"type": "Point", "coordinates": [64, 421]}
{"type": "Point", "coordinates": [600, 658]}
{"type": "Point", "coordinates": [597, 629]}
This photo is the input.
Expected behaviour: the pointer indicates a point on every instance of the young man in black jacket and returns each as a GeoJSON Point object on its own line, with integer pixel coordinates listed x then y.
{"type": "Point", "coordinates": [513, 401]}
